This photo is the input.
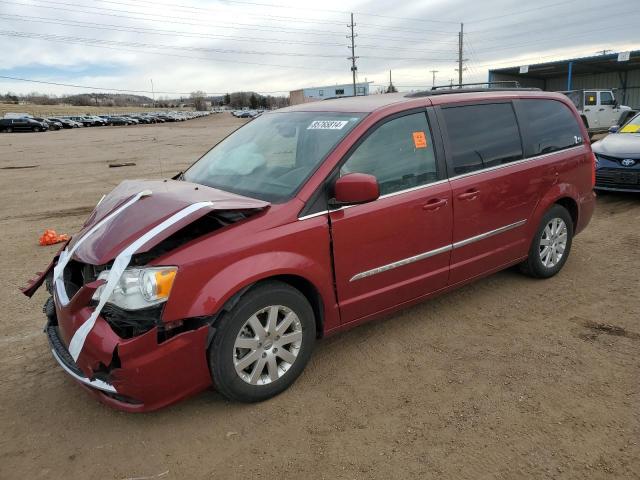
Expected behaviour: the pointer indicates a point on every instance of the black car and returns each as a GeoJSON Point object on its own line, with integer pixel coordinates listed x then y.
{"type": "Point", "coordinates": [618, 158]}
{"type": "Point", "coordinates": [66, 123]}
{"type": "Point", "coordinates": [51, 123]}
{"type": "Point", "coordinates": [117, 121]}
{"type": "Point", "coordinates": [22, 125]}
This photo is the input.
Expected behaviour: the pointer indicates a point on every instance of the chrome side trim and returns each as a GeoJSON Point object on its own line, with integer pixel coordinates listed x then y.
{"type": "Point", "coordinates": [97, 384]}
{"type": "Point", "coordinates": [413, 189]}
{"type": "Point", "coordinates": [437, 251]}
{"type": "Point", "coordinates": [313, 215]}
{"type": "Point", "coordinates": [517, 162]}
{"type": "Point", "coordinates": [401, 263]}
{"type": "Point", "coordinates": [491, 233]}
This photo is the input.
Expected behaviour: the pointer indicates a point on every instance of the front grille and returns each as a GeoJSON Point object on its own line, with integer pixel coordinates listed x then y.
{"type": "Point", "coordinates": [129, 324]}
{"type": "Point", "coordinates": [615, 178]}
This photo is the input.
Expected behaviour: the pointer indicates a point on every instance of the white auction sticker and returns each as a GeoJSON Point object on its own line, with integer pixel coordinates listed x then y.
{"type": "Point", "coordinates": [327, 124]}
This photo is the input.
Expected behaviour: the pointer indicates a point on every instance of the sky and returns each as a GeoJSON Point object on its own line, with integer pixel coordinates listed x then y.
{"type": "Point", "coordinates": [172, 48]}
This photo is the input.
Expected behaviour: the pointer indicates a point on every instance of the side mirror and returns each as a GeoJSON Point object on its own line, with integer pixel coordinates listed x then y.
{"type": "Point", "coordinates": [614, 129]}
{"type": "Point", "coordinates": [355, 188]}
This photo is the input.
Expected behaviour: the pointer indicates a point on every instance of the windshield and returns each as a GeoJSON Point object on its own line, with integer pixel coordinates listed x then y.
{"type": "Point", "coordinates": [632, 126]}
{"type": "Point", "coordinates": [272, 156]}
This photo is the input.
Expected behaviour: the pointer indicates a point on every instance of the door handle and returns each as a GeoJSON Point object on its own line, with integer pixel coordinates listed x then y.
{"type": "Point", "coordinates": [601, 110]}
{"type": "Point", "coordinates": [470, 195]}
{"type": "Point", "coordinates": [434, 204]}
{"type": "Point", "coordinates": [587, 109]}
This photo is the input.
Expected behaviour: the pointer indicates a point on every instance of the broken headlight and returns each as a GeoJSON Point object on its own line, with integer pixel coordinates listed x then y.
{"type": "Point", "coordinates": [139, 287]}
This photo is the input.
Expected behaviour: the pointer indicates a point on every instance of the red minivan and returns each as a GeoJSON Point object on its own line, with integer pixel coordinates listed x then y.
{"type": "Point", "coordinates": [305, 222]}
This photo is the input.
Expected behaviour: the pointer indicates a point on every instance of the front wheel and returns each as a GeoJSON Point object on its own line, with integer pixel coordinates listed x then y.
{"type": "Point", "coordinates": [551, 245]}
{"type": "Point", "coordinates": [263, 343]}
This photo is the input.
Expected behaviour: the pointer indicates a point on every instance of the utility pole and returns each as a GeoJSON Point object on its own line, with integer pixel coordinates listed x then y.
{"type": "Point", "coordinates": [604, 52]}
{"type": "Point", "coordinates": [353, 54]}
{"type": "Point", "coordinates": [460, 52]}
{"type": "Point", "coordinates": [153, 94]}
{"type": "Point", "coordinates": [433, 73]}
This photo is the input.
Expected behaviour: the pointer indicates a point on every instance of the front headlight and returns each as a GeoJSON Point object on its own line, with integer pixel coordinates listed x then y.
{"type": "Point", "coordinates": [139, 287]}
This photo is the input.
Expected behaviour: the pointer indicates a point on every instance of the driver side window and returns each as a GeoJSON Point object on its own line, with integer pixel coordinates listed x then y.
{"type": "Point", "coordinates": [399, 154]}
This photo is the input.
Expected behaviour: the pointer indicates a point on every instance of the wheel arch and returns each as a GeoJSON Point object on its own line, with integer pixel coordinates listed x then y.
{"type": "Point", "coordinates": [572, 207]}
{"type": "Point", "coordinates": [563, 194]}
{"type": "Point", "coordinates": [298, 282]}
{"type": "Point", "coordinates": [224, 289]}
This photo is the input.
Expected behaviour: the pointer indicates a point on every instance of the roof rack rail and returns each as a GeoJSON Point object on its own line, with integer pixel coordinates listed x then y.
{"type": "Point", "coordinates": [462, 88]}
{"type": "Point", "coordinates": [505, 83]}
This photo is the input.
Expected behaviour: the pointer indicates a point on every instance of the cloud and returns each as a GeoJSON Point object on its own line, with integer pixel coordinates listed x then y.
{"type": "Point", "coordinates": [245, 45]}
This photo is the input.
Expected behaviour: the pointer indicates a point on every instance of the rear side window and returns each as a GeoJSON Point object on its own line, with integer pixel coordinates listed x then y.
{"type": "Point", "coordinates": [399, 154]}
{"type": "Point", "coordinates": [590, 98]}
{"type": "Point", "coordinates": [548, 126]}
{"type": "Point", "coordinates": [482, 136]}
{"type": "Point", "coordinates": [606, 98]}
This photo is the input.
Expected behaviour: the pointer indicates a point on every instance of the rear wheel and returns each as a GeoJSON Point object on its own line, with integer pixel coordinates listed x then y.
{"type": "Point", "coordinates": [36, 129]}
{"type": "Point", "coordinates": [8, 130]}
{"type": "Point", "coordinates": [551, 245]}
{"type": "Point", "coordinates": [263, 343]}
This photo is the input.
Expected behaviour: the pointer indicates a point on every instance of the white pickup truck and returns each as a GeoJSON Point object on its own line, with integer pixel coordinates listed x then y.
{"type": "Point", "coordinates": [599, 109]}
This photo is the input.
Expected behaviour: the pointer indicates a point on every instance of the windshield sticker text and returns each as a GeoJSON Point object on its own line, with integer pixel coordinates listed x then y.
{"type": "Point", "coordinates": [327, 125]}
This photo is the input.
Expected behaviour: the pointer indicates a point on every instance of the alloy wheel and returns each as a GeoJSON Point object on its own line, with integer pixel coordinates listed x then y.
{"type": "Point", "coordinates": [267, 345]}
{"type": "Point", "coordinates": [553, 242]}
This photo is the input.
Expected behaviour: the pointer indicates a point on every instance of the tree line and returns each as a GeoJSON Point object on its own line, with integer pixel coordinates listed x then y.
{"type": "Point", "coordinates": [199, 100]}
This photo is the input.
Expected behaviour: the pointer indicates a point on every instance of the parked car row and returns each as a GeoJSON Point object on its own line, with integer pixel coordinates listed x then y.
{"type": "Point", "coordinates": [11, 124]}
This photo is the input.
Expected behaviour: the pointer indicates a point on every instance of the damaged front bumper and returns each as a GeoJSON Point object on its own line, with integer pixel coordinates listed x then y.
{"type": "Point", "coordinates": [136, 374]}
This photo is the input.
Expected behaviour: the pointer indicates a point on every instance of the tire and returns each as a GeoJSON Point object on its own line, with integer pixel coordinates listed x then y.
{"type": "Point", "coordinates": [36, 129]}
{"type": "Point", "coordinates": [8, 130]}
{"type": "Point", "coordinates": [544, 265]}
{"type": "Point", "coordinates": [266, 373]}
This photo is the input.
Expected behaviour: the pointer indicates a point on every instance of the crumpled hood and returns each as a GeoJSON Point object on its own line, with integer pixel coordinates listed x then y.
{"type": "Point", "coordinates": [619, 145]}
{"type": "Point", "coordinates": [166, 198]}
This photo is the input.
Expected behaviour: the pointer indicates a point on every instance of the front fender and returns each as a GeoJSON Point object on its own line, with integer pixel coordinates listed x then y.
{"type": "Point", "coordinates": [214, 292]}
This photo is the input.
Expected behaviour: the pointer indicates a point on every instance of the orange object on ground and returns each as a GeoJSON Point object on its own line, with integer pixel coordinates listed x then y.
{"type": "Point", "coordinates": [50, 237]}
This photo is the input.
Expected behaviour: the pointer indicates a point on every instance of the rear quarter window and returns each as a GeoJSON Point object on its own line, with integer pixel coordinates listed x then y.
{"type": "Point", "coordinates": [548, 126]}
{"type": "Point", "coordinates": [482, 136]}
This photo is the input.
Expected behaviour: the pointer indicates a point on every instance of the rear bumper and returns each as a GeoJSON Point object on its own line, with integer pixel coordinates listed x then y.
{"type": "Point", "coordinates": [134, 375]}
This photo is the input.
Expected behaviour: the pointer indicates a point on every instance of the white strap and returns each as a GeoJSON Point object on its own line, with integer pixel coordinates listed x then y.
{"type": "Point", "coordinates": [66, 255]}
{"type": "Point", "coordinates": [120, 263]}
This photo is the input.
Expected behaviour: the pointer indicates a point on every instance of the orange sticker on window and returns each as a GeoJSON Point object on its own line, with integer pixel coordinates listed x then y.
{"type": "Point", "coordinates": [419, 139]}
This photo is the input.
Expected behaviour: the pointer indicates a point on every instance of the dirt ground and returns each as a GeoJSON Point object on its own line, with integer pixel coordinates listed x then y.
{"type": "Point", "coordinates": [507, 378]}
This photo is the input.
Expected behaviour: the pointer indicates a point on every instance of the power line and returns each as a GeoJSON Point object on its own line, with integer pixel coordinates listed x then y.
{"type": "Point", "coordinates": [520, 12]}
{"type": "Point", "coordinates": [120, 49]}
{"type": "Point", "coordinates": [156, 31]}
{"type": "Point", "coordinates": [219, 24]}
{"type": "Point", "coordinates": [87, 87]}
{"type": "Point", "coordinates": [552, 39]}
{"type": "Point", "coordinates": [264, 28]}
{"type": "Point", "coordinates": [278, 18]}
{"type": "Point", "coordinates": [185, 34]}
{"type": "Point", "coordinates": [294, 7]}
{"type": "Point", "coordinates": [163, 19]}
{"type": "Point", "coordinates": [92, 41]}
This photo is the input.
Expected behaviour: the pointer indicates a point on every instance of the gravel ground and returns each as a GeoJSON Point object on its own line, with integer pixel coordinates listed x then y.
{"type": "Point", "coordinates": [506, 378]}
